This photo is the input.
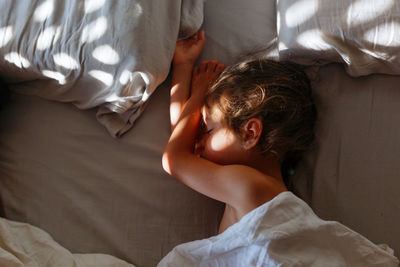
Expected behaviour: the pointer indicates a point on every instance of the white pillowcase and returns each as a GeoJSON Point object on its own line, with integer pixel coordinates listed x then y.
{"type": "Point", "coordinates": [363, 34]}
{"type": "Point", "coordinates": [93, 53]}
{"type": "Point", "coordinates": [240, 29]}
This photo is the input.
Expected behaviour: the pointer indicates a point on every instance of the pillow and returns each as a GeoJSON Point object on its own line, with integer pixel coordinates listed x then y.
{"type": "Point", "coordinates": [363, 34]}
{"type": "Point", "coordinates": [240, 30]}
{"type": "Point", "coordinates": [111, 54]}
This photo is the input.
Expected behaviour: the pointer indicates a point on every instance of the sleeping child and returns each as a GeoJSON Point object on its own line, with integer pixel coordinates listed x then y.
{"type": "Point", "coordinates": [232, 127]}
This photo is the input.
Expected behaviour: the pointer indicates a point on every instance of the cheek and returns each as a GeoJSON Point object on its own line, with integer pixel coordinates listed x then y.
{"type": "Point", "coordinates": [220, 141]}
{"type": "Point", "coordinates": [221, 148]}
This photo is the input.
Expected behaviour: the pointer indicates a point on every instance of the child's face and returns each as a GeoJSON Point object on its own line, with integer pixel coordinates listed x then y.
{"type": "Point", "coordinates": [217, 142]}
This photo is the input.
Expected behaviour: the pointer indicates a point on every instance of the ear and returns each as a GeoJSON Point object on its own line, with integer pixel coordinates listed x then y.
{"type": "Point", "coordinates": [252, 132]}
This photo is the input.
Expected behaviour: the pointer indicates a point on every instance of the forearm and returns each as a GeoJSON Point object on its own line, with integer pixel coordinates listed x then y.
{"type": "Point", "coordinates": [180, 90]}
{"type": "Point", "coordinates": [181, 144]}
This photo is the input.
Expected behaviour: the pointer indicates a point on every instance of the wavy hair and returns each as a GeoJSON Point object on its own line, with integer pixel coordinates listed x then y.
{"type": "Point", "coordinates": [278, 93]}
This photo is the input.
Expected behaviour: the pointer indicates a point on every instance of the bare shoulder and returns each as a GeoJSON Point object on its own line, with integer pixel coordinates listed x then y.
{"type": "Point", "coordinates": [239, 186]}
{"type": "Point", "coordinates": [249, 187]}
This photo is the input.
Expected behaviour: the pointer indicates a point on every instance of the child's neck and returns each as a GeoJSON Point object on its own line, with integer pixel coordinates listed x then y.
{"type": "Point", "coordinates": [267, 164]}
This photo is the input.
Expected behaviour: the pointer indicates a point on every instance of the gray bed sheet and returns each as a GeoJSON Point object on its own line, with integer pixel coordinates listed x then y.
{"type": "Point", "coordinates": [61, 171]}
{"type": "Point", "coordinates": [353, 173]}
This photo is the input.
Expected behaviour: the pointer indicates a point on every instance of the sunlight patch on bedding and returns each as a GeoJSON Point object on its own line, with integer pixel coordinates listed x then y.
{"type": "Point", "coordinates": [282, 46]}
{"type": "Point", "coordinates": [55, 75]}
{"type": "Point", "coordinates": [278, 21]}
{"type": "Point", "coordinates": [66, 61]}
{"type": "Point", "coordinates": [136, 83]}
{"type": "Point", "coordinates": [313, 39]}
{"type": "Point", "coordinates": [300, 12]}
{"type": "Point", "coordinates": [387, 34]}
{"type": "Point", "coordinates": [346, 58]}
{"type": "Point", "coordinates": [48, 37]}
{"type": "Point", "coordinates": [94, 30]}
{"type": "Point", "coordinates": [376, 54]}
{"type": "Point", "coordinates": [362, 11]}
{"type": "Point", "coordinates": [146, 93]}
{"type": "Point", "coordinates": [145, 96]}
{"type": "Point", "coordinates": [6, 34]}
{"type": "Point", "coordinates": [145, 77]}
{"type": "Point", "coordinates": [106, 54]}
{"type": "Point", "coordinates": [125, 77]}
{"type": "Point", "coordinates": [128, 76]}
{"type": "Point", "coordinates": [102, 76]}
{"type": "Point", "coordinates": [17, 60]}
{"type": "Point", "coordinates": [93, 5]}
{"type": "Point", "coordinates": [112, 98]}
{"type": "Point", "coordinates": [137, 10]}
{"type": "Point", "coordinates": [44, 11]}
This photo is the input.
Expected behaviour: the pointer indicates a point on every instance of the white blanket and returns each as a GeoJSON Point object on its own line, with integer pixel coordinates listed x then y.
{"type": "Point", "coordinates": [93, 53]}
{"type": "Point", "coordinates": [22, 244]}
{"type": "Point", "coordinates": [282, 232]}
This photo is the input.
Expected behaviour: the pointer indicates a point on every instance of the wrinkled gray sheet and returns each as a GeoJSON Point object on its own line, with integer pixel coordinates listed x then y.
{"type": "Point", "coordinates": [94, 53]}
{"type": "Point", "coordinates": [353, 172]}
{"type": "Point", "coordinates": [363, 35]}
{"type": "Point", "coordinates": [61, 171]}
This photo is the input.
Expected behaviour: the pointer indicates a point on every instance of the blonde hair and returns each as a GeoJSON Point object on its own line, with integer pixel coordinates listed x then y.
{"type": "Point", "coordinates": [278, 93]}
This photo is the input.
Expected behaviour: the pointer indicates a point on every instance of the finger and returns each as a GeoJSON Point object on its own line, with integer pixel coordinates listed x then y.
{"type": "Point", "coordinates": [195, 36]}
{"type": "Point", "coordinates": [202, 35]}
{"type": "Point", "coordinates": [212, 64]}
{"type": "Point", "coordinates": [190, 40]}
{"type": "Point", "coordinates": [180, 41]}
{"type": "Point", "coordinates": [196, 70]}
{"type": "Point", "coordinates": [203, 66]}
{"type": "Point", "coordinates": [220, 67]}
{"type": "Point", "coordinates": [201, 40]}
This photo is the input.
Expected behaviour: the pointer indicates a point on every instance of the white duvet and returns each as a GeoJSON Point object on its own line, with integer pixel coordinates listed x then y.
{"type": "Point", "coordinates": [93, 53]}
{"type": "Point", "coordinates": [22, 244]}
{"type": "Point", "coordinates": [282, 232]}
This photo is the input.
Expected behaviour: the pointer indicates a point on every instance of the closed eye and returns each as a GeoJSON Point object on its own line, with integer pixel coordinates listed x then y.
{"type": "Point", "coordinates": [202, 126]}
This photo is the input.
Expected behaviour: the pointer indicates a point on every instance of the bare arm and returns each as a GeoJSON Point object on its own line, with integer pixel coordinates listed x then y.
{"type": "Point", "coordinates": [237, 185]}
{"type": "Point", "coordinates": [186, 53]}
{"type": "Point", "coordinates": [223, 183]}
{"type": "Point", "coordinates": [179, 159]}
{"type": "Point", "coordinates": [181, 77]}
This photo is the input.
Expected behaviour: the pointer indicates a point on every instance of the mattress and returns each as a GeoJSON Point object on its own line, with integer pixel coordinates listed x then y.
{"type": "Point", "coordinates": [351, 176]}
{"type": "Point", "coordinates": [62, 171]}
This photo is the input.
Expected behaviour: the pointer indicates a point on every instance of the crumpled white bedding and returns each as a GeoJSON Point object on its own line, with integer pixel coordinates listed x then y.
{"type": "Point", "coordinates": [22, 244]}
{"type": "Point", "coordinates": [282, 232]}
{"type": "Point", "coordinates": [94, 53]}
{"type": "Point", "coordinates": [361, 34]}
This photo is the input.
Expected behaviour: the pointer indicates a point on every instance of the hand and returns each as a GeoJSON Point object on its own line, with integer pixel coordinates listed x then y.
{"type": "Point", "coordinates": [204, 76]}
{"type": "Point", "coordinates": [188, 50]}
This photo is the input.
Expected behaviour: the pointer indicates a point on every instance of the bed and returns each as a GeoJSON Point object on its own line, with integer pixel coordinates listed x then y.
{"type": "Point", "coordinates": [89, 173]}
